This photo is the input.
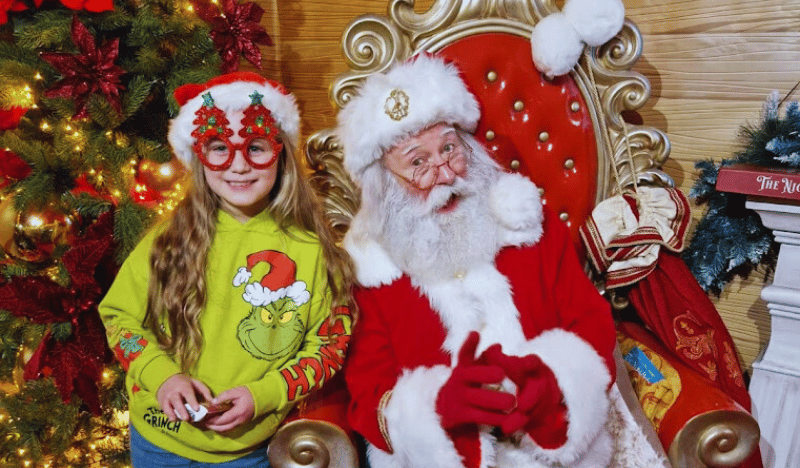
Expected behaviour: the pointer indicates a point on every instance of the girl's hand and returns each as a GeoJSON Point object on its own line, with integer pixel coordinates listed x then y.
{"type": "Point", "coordinates": [242, 410]}
{"type": "Point", "coordinates": [177, 390]}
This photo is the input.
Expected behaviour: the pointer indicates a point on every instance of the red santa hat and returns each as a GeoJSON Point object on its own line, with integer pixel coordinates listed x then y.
{"type": "Point", "coordinates": [557, 40]}
{"type": "Point", "coordinates": [278, 283]}
{"type": "Point", "coordinates": [412, 96]}
{"type": "Point", "coordinates": [231, 91]}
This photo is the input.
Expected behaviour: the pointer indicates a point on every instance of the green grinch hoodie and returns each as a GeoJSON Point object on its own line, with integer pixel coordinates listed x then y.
{"type": "Point", "coordinates": [265, 326]}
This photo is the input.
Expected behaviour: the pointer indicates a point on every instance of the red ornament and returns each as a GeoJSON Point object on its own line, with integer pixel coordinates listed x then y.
{"type": "Point", "coordinates": [77, 361]}
{"type": "Point", "coordinates": [10, 5]}
{"type": "Point", "coordinates": [236, 30]}
{"type": "Point", "coordinates": [145, 195]}
{"type": "Point", "coordinates": [9, 118]}
{"type": "Point", "coordinates": [91, 71]}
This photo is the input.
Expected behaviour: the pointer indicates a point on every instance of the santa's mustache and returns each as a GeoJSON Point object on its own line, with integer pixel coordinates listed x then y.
{"type": "Point", "coordinates": [441, 195]}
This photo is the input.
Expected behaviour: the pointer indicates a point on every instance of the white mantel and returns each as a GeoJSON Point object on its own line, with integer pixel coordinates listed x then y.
{"type": "Point", "coordinates": [775, 384]}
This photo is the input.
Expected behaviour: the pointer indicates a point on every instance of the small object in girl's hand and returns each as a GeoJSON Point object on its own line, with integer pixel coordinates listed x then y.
{"type": "Point", "coordinates": [207, 408]}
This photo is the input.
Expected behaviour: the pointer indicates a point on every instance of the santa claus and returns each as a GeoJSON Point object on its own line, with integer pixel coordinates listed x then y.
{"type": "Point", "coordinates": [481, 342]}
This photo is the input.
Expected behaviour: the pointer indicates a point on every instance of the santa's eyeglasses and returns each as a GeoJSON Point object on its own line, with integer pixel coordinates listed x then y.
{"type": "Point", "coordinates": [421, 167]}
{"type": "Point", "coordinates": [261, 145]}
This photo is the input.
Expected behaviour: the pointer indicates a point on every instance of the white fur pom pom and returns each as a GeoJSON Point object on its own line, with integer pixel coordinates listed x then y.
{"type": "Point", "coordinates": [515, 203]}
{"type": "Point", "coordinates": [555, 45]}
{"type": "Point", "coordinates": [595, 21]}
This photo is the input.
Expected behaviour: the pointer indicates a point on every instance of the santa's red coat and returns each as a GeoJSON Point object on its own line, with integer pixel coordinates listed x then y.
{"type": "Point", "coordinates": [534, 299]}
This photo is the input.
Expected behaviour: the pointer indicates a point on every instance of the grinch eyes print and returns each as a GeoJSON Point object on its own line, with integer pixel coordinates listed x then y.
{"type": "Point", "coordinates": [267, 316]}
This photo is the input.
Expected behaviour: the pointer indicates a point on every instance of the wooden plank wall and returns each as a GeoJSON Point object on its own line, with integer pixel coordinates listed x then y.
{"type": "Point", "coordinates": [711, 64]}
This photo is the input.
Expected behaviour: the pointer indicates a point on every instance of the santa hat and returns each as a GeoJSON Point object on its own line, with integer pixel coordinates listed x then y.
{"type": "Point", "coordinates": [231, 91]}
{"type": "Point", "coordinates": [389, 107]}
{"type": "Point", "coordinates": [278, 283]}
{"type": "Point", "coordinates": [557, 40]}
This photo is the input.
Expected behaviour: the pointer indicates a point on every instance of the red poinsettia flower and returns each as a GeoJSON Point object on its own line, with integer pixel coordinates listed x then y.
{"type": "Point", "coordinates": [95, 6]}
{"type": "Point", "coordinates": [10, 5]}
{"type": "Point", "coordinates": [91, 71]}
{"type": "Point", "coordinates": [9, 118]}
{"type": "Point", "coordinates": [74, 362]}
{"type": "Point", "coordinates": [236, 30]}
{"type": "Point", "coordinates": [12, 167]}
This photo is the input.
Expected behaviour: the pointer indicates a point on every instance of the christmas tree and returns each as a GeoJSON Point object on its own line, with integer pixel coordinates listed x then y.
{"type": "Point", "coordinates": [730, 239]}
{"type": "Point", "coordinates": [85, 98]}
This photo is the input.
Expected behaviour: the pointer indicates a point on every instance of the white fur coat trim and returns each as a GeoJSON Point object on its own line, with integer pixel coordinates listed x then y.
{"type": "Point", "coordinates": [514, 202]}
{"type": "Point", "coordinates": [583, 379]}
{"type": "Point", "coordinates": [480, 301]}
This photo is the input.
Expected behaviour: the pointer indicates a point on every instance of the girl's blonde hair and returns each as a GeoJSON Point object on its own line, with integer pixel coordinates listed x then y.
{"type": "Point", "coordinates": [177, 292]}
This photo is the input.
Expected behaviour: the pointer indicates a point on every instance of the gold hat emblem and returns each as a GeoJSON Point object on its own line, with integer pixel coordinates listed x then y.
{"type": "Point", "coordinates": [396, 106]}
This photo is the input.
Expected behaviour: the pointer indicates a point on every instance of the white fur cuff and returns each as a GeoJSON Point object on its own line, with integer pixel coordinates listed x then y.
{"type": "Point", "coordinates": [414, 426]}
{"type": "Point", "coordinates": [583, 378]}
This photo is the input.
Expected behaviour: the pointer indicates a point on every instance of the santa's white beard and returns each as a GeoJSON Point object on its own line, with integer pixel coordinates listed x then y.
{"type": "Point", "coordinates": [429, 245]}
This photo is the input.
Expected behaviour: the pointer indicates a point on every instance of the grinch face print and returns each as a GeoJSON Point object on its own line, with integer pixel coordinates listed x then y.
{"type": "Point", "coordinates": [272, 331]}
{"type": "Point", "coordinates": [273, 328]}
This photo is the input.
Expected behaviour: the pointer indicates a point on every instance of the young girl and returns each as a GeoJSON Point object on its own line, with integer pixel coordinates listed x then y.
{"type": "Point", "coordinates": [236, 308]}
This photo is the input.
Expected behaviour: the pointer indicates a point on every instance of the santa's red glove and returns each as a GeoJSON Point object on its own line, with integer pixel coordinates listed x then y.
{"type": "Point", "coordinates": [463, 398]}
{"type": "Point", "coordinates": [540, 410]}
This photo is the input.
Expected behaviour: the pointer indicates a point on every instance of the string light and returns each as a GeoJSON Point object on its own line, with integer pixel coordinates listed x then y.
{"type": "Point", "coordinates": [38, 76]}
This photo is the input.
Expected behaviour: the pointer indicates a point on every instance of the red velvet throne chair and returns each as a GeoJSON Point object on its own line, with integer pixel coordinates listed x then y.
{"type": "Point", "coordinates": [569, 136]}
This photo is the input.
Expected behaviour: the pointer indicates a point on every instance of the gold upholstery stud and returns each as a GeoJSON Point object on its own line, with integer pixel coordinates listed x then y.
{"type": "Point", "coordinates": [519, 105]}
{"type": "Point", "coordinates": [489, 135]}
{"type": "Point", "coordinates": [544, 136]}
{"type": "Point", "coordinates": [515, 164]}
{"type": "Point", "coordinates": [563, 216]}
{"type": "Point", "coordinates": [575, 106]}
{"type": "Point", "coordinates": [491, 76]}
{"type": "Point", "coordinates": [569, 164]}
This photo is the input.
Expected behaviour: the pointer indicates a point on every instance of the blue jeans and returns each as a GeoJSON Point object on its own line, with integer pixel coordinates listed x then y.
{"type": "Point", "coordinates": [146, 455]}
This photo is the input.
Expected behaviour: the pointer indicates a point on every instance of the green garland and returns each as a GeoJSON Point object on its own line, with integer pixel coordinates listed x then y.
{"type": "Point", "coordinates": [730, 240]}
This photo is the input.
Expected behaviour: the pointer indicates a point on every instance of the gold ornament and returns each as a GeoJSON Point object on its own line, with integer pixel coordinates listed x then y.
{"type": "Point", "coordinates": [37, 233]}
{"type": "Point", "coordinates": [8, 218]}
{"type": "Point", "coordinates": [160, 176]}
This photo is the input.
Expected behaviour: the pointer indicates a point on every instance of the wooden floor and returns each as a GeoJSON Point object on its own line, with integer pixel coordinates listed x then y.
{"type": "Point", "coordinates": [711, 64]}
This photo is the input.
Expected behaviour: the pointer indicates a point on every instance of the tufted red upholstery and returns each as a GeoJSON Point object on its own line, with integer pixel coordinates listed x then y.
{"type": "Point", "coordinates": [547, 139]}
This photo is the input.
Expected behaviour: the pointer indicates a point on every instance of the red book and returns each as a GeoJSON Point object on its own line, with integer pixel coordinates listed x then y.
{"type": "Point", "coordinates": [783, 183]}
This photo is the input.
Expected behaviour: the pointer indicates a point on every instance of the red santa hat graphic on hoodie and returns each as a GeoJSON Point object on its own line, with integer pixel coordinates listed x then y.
{"type": "Point", "coordinates": [279, 282]}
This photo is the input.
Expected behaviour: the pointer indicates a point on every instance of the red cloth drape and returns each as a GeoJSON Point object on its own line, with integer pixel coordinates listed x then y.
{"type": "Point", "coordinates": [675, 308]}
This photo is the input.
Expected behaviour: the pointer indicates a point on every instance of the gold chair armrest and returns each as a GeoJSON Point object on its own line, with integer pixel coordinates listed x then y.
{"type": "Point", "coordinates": [308, 443]}
{"type": "Point", "coordinates": [718, 438]}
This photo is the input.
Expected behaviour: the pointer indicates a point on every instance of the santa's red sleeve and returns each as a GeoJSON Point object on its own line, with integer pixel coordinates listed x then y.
{"type": "Point", "coordinates": [371, 372]}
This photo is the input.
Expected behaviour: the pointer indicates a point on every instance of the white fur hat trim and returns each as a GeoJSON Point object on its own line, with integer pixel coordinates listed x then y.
{"type": "Point", "coordinates": [557, 40]}
{"type": "Point", "coordinates": [229, 97]}
{"type": "Point", "coordinates": [410, 97]}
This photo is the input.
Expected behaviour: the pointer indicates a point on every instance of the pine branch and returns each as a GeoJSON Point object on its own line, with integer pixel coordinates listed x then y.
{"type": "Point", "coordinates": [49, 30]}
{"type": "Point", "coordinates": [130, 221]}
{"type": "Point", "coordinates": [138, 91]}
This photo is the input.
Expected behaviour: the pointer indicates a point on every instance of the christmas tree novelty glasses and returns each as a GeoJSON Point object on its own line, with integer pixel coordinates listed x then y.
{"type": "Point", "coordinates": [419, 164]}
{"type": "Point", "coordinates": [213, 146]}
